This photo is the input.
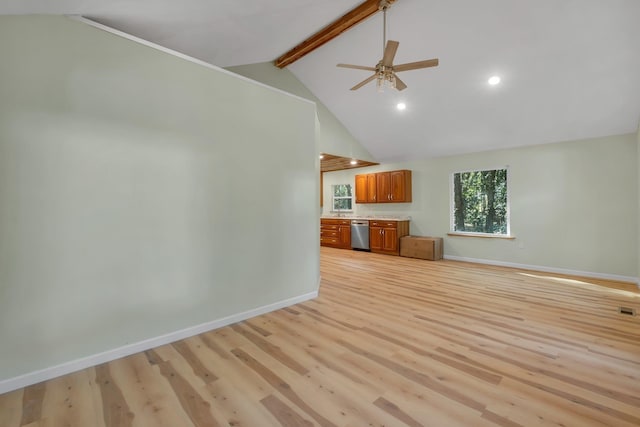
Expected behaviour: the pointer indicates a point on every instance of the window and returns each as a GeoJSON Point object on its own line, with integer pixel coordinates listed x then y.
{"type": "Point", "coordinates": [480, 202]}
{"type": "Point", "coordinates": [342, 197]}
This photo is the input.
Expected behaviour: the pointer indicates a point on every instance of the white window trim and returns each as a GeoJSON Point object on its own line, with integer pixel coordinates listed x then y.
{"type": "Point", "coordinates": [334, 198]}
{"type": "Point", "coordinates": [452, 220]}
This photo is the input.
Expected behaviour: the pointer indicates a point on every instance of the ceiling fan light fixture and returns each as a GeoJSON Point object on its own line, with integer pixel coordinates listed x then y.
{"type": "Point", "coordinates": [391, 78]}
{"type": "Point", "coordinates": [384, 73]}
{"type": "Point", "coordinates": [385, 78]}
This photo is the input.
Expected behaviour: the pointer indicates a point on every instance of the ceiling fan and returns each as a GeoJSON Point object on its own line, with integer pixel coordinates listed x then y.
{"type": "Point", "coordinates": [385, 71]}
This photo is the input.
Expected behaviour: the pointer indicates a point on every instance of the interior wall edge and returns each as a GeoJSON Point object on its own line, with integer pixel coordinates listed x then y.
{"type": "Point", "coordinates": [542, 268]}
{"type": "Point", "coordinates": [180, 55]}
{"type": "Point", "coordinates": [35, 377]}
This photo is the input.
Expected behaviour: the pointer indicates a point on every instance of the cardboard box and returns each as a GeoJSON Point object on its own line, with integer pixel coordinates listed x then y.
{"type": "Point", "coordinates": [421, 247]}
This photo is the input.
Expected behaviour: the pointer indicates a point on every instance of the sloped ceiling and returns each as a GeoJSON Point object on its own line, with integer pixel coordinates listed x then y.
{"type": "Point", "coordinates": [570, 69]}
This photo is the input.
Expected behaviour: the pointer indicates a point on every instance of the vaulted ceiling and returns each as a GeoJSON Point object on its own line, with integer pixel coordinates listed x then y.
{"type": "Point", "coordinates": [570, 69]}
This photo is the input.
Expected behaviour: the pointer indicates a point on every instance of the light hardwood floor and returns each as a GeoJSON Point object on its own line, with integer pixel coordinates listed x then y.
{"type": "Point", "coordinates": [389, 342]}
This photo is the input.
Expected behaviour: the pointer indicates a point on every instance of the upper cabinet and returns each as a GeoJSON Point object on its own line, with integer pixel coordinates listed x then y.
{"type": "Point", "coordinates": [384, 187]}
{"type": "Point", "coordinates": [372, 188]}
{"type": "Point", "coordinates": [366, 188]}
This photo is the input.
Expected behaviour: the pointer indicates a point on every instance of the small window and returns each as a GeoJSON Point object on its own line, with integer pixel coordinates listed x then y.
{"type": "Point", "coordinates": [342, 197]}
{"type": "Point", "coordinates": [480, 202]}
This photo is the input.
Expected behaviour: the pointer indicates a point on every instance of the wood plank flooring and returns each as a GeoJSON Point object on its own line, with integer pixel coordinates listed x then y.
{"type": "Point", "coordinates": [389, 342]}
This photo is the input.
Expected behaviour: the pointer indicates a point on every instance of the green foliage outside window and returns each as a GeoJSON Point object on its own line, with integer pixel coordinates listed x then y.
{"type": "Point", "coordinates": [342, 197]}
{"type": "Point", "coordinates": [480, 202]}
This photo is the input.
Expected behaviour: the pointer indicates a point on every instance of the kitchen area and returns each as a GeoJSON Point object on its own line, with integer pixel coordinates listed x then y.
{"type": "Point", "coordinates": [341, 227]}
{"type": "Point", "coordinates": [380, 235]}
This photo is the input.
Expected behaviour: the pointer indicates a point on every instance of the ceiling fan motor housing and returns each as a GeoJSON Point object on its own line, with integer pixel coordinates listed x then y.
{"type": "Point", "coordinates": [384, 4]}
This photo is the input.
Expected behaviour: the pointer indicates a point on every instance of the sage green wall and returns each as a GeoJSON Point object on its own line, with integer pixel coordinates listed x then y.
{"type": "Point", "coordinates": [574, 205]}
{"type": "Point", "coordinates": [334, 137]}
{"type": "Point", "coordinates": [140, 193]}
{"type": "Point", "coordinates": [638, 171]}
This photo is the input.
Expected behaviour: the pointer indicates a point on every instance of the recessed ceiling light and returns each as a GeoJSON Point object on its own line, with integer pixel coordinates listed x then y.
{"type": "Point", "coordinates": [354, 162]}
{"type": "Point", "coordinates": [401, 106]}
{"type": "Point", "coordinates": [494, 80]}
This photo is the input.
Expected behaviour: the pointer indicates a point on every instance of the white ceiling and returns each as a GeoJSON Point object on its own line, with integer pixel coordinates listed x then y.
{"type": "Point", "coordinates": [570, 69]}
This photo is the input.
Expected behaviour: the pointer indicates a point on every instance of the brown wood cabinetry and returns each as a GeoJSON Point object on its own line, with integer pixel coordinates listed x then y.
{"type": "Point", "coordinates": [372, 188]}
{"type": "Point", "coordinates": [335, 233]}
{"type": "Point", "coordinates": [401, 186]}
{"type": "Point", "coordinates": [384, 187]}
{"type": "Point", "coordinates": [366, 188]}
{"type": "Point", "coordinates": [384, 236]}
{"type": "Point", "coordinates": [361, 188]}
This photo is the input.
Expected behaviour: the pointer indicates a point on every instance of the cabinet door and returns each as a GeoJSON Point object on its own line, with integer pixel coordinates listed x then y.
{"type": "Point", "coordinates": [361, 189]}
{"type": "Point", "coordinates": [375, 238]}
{"type": "Point", "coordinates": [383, 184]}
{"type": "Point", "coordinates": [345, 236]}
{"type": "Point", "coordinates": [398, 186]}
{"type": "Point", "coordinates": [390, 239]}
{"type": "Point", "coordinates": [372, 196]}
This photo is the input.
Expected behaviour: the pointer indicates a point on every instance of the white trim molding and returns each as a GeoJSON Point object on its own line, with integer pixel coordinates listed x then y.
{"type": "Point", "coordinates": [545, 269]}
{"type": "Point", "coordinates": [35, 377]}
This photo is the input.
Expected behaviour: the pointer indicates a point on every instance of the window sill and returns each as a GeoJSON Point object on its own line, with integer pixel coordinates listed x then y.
{"type": "Point", "coordinates": [482, 235]}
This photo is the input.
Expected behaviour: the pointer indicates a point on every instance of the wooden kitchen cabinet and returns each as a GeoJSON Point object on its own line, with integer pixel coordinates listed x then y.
{"type": "Point", "coordinates": [375, 237]}
{"type": "Point", "coordinates": [384, 236]}
{"type": "Point", "coordinates": [335, 233]}
{"type": "Point", "coordinates": [366, 188]}
{"type": "Point", "coordinates": [394, 186]}
{"type": "Point", "coordinates": [361, 188]}
{"type": "Point", "coordinates": [384, 187]}
{"type": "Point", "coordinates": [372, 188]}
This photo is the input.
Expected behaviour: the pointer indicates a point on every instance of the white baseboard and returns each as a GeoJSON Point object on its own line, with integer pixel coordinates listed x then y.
{"type": "Point", "coordinates": [547, 269]}
{"type": "Point", "coordinates": [35, 377]}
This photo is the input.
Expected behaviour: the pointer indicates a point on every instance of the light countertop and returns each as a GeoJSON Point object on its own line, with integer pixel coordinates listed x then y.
{"type": "Point", "coordinates": [368, 217]}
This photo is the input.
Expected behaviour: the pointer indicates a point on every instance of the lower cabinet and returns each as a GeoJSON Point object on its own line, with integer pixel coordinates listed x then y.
{"type": "Point", "coordinates": [384, 236]}
{"type": "Point", "coordinates": [335, 233]}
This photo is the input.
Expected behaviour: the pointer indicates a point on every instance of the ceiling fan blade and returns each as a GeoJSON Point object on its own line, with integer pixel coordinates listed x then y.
{"type": "Point", "coordinates": [356, 67]}
{"type": "Point", "coordinates": [364, 82]}
{"type": "Point", "coordinates": [400, 85]}
{"type": "Point", "coordinates": [416, 65]}
{"type": "Point", "coordinates": [389, 53]}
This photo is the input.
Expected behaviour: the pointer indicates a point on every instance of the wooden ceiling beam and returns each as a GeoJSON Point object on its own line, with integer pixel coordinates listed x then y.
{"type": "Point", "coordinates": [331, 31]}
{"type": "Point", "coordinates": [330, 163]}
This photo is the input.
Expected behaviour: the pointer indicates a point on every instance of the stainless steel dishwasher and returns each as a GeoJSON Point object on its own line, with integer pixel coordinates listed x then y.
{"type": "Point", "coordinates": [360, 234]}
